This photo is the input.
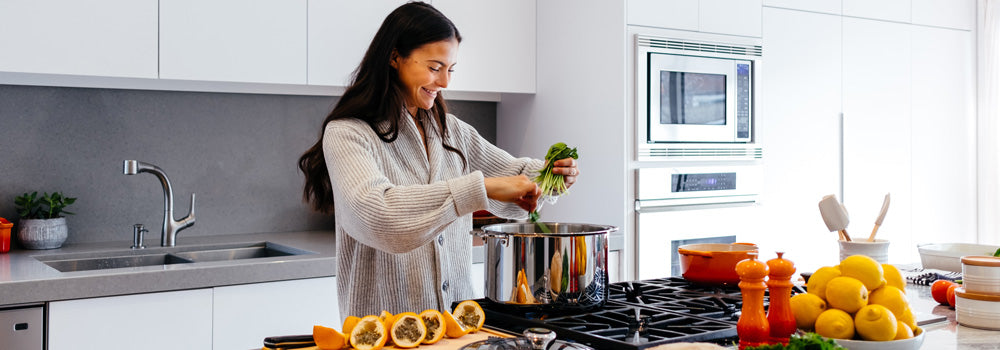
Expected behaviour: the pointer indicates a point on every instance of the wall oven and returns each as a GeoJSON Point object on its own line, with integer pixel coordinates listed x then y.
{"type": "Point", "coordinates": [694, 92]}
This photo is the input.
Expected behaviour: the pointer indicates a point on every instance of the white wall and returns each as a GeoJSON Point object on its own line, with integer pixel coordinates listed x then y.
{"type": "Point", "coordinates": [580, 100]}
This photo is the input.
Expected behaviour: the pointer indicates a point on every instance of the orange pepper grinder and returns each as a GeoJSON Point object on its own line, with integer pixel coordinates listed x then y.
{"type": "Point", "coordinates": [752, 328]}
{"type": "Point", "coordinates": [779, 312]}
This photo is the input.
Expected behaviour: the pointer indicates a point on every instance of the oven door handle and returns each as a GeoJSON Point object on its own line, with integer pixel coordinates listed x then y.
{"type": "Point", "coordinates": [658, 205]}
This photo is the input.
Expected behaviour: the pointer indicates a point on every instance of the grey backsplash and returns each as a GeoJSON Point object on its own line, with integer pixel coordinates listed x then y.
{"type": "Point", "coordinates": [237, 152]}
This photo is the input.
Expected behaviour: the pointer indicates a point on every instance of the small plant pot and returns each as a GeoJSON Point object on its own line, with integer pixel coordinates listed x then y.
{"type": "Point", "coordinates": [42, 233]}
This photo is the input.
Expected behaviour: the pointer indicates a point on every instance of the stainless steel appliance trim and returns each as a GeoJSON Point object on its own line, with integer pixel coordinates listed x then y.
{"type": "Point", "coordinates": [652, 206]}
{"type": "Point", "coordinates": [699, 46]}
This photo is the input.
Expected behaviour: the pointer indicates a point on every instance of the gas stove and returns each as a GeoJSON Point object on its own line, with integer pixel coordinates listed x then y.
{"type": "Point", "coordinates": [637, 315]}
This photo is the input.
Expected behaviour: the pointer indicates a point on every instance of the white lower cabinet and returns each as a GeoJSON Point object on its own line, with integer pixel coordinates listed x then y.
{"type": "Point", "coordinates": [479, 280]}
{"type": "Point", "coordinates": [230, 317]}
{"type": "Point", "coordinates": [168, 321]}
{"type": "Point", "coordinates": [246, 314]}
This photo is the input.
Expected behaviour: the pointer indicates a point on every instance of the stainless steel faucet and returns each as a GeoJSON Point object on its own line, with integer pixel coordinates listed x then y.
{"type": "Point", "coordinates": [168, 236]}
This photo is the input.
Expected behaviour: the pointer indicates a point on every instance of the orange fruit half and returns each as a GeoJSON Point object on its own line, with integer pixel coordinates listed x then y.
{"type": "Point", "coordinates": [369, 334]}
{"type": "Point", "coordinates": [454, 328]}
{"type": "Point", "coordinates": [349, 324]}
{"type": "Point", "coordinates": [408, 330]}
{"type": "Point", "coordinates": [328, 338]}
{"type": "Point", "coordinates": [434, 321]}
{"type": "Point", "coordinates": [470, 315]}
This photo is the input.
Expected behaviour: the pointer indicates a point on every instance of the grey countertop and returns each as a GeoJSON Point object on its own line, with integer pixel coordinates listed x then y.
{"type": "Point", "coordinates": [945, 332]}
{"type": "Point", "coordinates": [26, 280]}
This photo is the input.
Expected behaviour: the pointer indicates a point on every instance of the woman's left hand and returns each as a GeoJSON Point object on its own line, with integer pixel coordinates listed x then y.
{"type": "Point", "coordinates": [568, 169]}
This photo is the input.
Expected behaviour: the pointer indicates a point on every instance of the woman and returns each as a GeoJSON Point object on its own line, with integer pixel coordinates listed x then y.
{"type": "Point", "coordinates": [403, 177]}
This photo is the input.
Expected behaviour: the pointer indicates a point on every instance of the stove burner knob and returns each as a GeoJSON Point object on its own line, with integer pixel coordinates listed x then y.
{"type": "Point", "coordinates": [539, 337]}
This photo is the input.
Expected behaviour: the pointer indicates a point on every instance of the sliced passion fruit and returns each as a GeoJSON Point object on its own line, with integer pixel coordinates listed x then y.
{"type": "Point", "coordinates": [328, 338]}
{"type": "Point", "coordinates": [349, 324]}
{"type": "Point", "coordinates": [434, 321]}
{"type": "Point", "coordinates": [452, 327]}
{"type": "Point", "coordinates": [470, 315]}
{"type": "Point", "coordinates": [369, 334]}
{"type": "Point", "coordinates": [408, 330]}
{"type": "Point", "coordinates": [387, 319]}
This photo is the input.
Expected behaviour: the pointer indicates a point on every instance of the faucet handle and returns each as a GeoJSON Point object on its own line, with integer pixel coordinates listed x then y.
{"type": "Point", "coordinates": [189, 219]}
{"type": "Point", "coordinates": [137, 231]}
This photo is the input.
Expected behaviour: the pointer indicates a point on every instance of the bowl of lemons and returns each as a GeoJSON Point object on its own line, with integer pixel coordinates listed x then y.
{"type": "Point", "coordinates": [859, 303]}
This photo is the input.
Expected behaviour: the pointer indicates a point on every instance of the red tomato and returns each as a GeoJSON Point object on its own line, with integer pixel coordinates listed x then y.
{"type": "Point", "coordinates": [939, 290]}
{"type": "Point", "coordinates": [951, 294]}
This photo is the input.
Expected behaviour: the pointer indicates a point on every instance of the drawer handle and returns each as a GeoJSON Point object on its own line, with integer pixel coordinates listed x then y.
{"type": "Point", "coordinates": [20, 326]}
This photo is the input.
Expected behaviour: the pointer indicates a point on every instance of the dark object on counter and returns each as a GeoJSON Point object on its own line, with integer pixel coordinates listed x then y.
{"type": "Point", "coordinates": [289, 341]}
{"type": "Point", "coordinates": [482, 218]}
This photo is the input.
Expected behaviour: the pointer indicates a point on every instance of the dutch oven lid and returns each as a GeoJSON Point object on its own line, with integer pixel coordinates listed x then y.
{"type": "Point", "coordinates": [545, 229]}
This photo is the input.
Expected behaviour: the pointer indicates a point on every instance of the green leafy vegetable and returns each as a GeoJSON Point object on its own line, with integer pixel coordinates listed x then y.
{"type": "Point", "coordinates": [997, 253]}
{"type": "Point", "coordinates": [807, 341]}
{"type": "Point", "coordinates": [552, 185]}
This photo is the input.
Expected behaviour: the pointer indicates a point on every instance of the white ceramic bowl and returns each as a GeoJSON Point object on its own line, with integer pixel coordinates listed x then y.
{"type": "Point", "coordinates": [977, 310]}
{"type": "Point", "coordinates": [981, 274]}
{"type": "Point", "coordinates": [948, 256]}
{"type": "Point", "coordinates": [905, 344]}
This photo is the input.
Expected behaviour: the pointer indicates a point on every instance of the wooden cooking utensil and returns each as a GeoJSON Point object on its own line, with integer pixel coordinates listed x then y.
{"type": "Point", "coordinates": [834, 216]}
{"type": "Point", "coordinates": [881, 216]}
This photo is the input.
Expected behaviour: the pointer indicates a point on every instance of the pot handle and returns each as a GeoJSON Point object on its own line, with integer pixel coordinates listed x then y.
{"type": "Point", "coordinates": [484, 234]}
{"type": "Point", "coordinates": [694, 252]}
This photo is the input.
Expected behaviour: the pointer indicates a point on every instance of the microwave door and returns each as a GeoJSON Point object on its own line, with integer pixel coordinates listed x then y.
{"type": "Point", "coordinates": [689, 99]}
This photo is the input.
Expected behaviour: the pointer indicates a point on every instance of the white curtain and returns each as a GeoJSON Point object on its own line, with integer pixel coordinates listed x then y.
{"type": "Point", "coordinates": [988, 86]}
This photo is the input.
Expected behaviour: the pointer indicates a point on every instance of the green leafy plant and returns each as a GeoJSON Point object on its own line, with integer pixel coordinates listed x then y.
{"type": "Point", "coordinates": [30, 206]}
{"type": "Point", "coordinates": [550, 184]}
{"type": "Point", "coordinates": [806, 341]}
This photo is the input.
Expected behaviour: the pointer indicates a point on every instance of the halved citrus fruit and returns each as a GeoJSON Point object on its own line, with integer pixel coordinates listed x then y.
{"type": "Point", "coordinates": [369, 334]}
{"type": "Point", "coordinates": [328, 338]}
{"type": "Point", "coordinates": [349, 324]}
{"type": "Point", "coordinates": [408, 330]}
{"type": "Point", "coordinates": [434, 321]}
{"type": "Point", "coordinates": [470, 315]}
{"type": "Point", "coordinates": [454, 328]}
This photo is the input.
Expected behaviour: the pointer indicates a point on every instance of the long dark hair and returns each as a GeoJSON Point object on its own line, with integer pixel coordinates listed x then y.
{"type": "Point", "coordinates": [376, 95]}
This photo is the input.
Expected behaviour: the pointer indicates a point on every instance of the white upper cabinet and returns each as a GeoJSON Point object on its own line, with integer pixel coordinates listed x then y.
{"type": "Point", "coordinates": [259, 41]}
{"type": "Point", "coordinates": [822, 6]}
{"type": "Point", "coordinates": [497, 53]}
{"type": "Point", "coordinates": [887, 10]}
{"type": "Point", "coordinates": [676, 14]}
{"type": "Point", "coordinates": [958, 14]}
{"type": "Point", "coordinates": [339, 34]}
{"type": "Point", "coordinates": [115, 38]}
{"type": "Point", "coordinates": [733, 17]}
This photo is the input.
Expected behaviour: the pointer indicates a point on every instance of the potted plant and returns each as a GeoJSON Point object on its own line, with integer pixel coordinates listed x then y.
{"type": "Point", "coordinates": [42, 224]}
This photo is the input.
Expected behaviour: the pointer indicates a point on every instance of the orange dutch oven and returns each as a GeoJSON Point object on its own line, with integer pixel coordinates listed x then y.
{"type": "Point", "coordinates": [713, 263]}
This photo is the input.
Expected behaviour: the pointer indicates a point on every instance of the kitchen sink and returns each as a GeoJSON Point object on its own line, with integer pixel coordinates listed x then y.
{"type": "Point", "coordinates": [167, 256]}
{"type": "Point", "coordinates": [116, 262]}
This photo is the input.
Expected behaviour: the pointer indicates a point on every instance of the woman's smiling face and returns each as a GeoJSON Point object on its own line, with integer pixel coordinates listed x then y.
{"type": "Point", "coordinates": [426, 72]}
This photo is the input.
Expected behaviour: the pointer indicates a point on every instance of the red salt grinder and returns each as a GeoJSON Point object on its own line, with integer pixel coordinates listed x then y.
{"type": "Point", "coordinates": [752, 328]}
{"type": "Point", "coordinates": [779, 312]}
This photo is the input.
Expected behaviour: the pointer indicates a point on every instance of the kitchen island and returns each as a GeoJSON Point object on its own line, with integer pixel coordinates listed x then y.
{"type": "Point", "coordinates": [945, 332]}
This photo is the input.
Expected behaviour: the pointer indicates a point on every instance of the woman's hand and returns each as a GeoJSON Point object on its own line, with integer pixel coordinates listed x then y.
{"type": "Point", "coordinates": [567, 168]}
{"type": "Point", "coordinates": [518, 189]}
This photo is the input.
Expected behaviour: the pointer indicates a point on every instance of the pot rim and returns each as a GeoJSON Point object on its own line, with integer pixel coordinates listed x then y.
{"type": "Point", "coordinates": [498, 230]}
{"type": "Point", "coordinates": [719, 247]}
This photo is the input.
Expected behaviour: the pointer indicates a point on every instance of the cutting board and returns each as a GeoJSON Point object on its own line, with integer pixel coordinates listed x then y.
{"type": "Point", "coordinates": [444, 344]}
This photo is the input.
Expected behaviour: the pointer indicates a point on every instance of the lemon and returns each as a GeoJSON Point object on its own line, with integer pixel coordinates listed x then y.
{"type": "Point", "coordinates": [893, 299]}
{"type": "Point", "coordinates": [847, 294]}
{"type": "Point", "coordinates": [903, 331]}
{"type": "Point", "coordinates": [893, 277]}
{"type": "Point", "coordinates": [818, 280]}
{"type": "Point", "coordinates": [876, 322]}
{"type": "Point", "coordinates": [806, 307]}
{"type": "Point", "coordinates": [865, 269]}
{"type": "Point", "coordinates": [834, 323]}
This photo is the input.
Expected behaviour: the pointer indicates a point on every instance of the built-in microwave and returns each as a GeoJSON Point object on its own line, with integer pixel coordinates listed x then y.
{"type": "Point", "coordinates": [694, 92]}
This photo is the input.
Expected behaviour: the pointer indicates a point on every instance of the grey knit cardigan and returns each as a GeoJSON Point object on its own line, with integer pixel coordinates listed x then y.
{"type": "Point", "coordinates": [403, 214]}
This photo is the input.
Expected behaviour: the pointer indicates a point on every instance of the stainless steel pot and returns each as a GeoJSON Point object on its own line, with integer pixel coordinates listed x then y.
{"type": "Point", "coordinates": [565, 268]}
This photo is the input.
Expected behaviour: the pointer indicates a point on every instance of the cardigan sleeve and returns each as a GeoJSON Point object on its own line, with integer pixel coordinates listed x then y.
{"type": "Point", "coordinates": [386, 216]}
{"type": "Point", "coordinates": [495, 162]}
